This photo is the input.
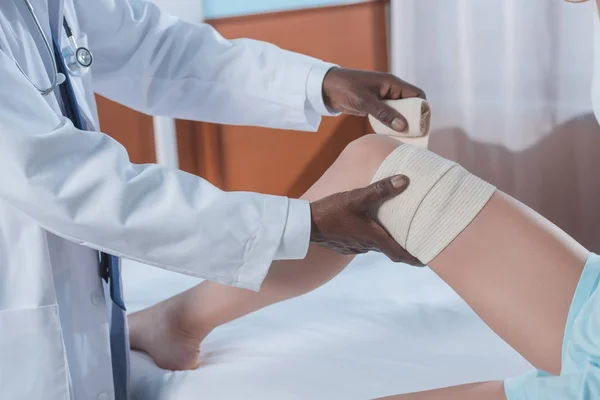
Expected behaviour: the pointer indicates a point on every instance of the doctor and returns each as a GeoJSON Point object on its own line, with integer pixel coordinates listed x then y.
{"type": "Point", "coordinates": [69, 196]}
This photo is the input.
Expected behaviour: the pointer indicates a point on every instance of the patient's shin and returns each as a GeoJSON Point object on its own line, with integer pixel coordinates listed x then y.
{"type": "Point", "coordinates": [440, 202]}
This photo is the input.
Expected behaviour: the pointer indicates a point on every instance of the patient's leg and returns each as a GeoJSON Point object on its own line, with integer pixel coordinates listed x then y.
{"type": "Point", "coordinates": [513, 267]}
{"type": "Point", "coordinates": [171, 332]}
{"type": "Point", "coordinates": [473, 391]}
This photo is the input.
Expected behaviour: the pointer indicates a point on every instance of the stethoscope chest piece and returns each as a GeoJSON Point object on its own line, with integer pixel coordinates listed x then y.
{"type": "Point", "coordinates": [84, 57]}
{"type": "Point", "coordinates": [78, 60]}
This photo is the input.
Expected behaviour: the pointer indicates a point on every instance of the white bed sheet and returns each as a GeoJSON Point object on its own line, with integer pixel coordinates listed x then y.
{"type": "Point", "coordinates": [377, 329]}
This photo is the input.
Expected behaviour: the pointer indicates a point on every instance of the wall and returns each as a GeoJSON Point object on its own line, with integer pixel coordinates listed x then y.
{"type": "Point", "coordinates": [220, 9]}
{"type": "Point", "coordinates": [284, 162]}
{"type": "Point", "coordinates": [195, 10]}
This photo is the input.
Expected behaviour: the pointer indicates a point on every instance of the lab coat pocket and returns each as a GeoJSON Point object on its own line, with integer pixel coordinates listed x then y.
{"type": "Point", "coordinates": [32, 355]}
{"type": "Point", "coordinates": [82, 40]}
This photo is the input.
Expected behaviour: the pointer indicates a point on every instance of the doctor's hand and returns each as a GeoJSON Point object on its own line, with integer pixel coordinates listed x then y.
{"type": "Point", "coordinates": [346, 222]}
{"type": "Point", "coordinates": [362, 93]}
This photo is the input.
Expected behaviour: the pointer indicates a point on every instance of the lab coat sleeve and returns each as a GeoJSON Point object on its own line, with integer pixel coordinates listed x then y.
{"type": "Point", "coordinates": [81, 186]}
{"type": "Point", "coordinates": [540, 385]}
{"type": "Point", "coordinates": [160, 65]}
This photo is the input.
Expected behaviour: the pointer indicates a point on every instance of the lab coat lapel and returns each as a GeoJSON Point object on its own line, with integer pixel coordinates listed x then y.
{"type": "Point", "coordinates": [49, 13]}
{"type": "Point", "coordinates": [55, 13]}
{"type": "Point", "coordinates": [41, 9]}
{"type": "Point", "coordinates": [29, 47]}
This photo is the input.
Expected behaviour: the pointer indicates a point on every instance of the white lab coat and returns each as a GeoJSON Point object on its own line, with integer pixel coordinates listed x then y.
{"type": "Point", "coordinates": [65, 193]}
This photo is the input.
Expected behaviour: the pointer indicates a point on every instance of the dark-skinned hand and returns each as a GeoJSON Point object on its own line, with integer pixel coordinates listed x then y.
{"type": "Point", "coordinates": [362, 93]}
{"type": "Point", "coordinates": [346, 222]}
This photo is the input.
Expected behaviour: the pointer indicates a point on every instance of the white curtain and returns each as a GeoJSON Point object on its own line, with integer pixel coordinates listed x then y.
{"type": "Point", "coordinates": [509, 84]}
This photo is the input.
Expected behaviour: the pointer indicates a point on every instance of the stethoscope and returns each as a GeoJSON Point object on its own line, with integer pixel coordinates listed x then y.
{"type": "Point", "coordinates": [78, 60]}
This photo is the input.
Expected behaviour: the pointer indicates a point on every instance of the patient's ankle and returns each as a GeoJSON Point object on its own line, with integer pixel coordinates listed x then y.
{"type": "Point", "coordinates": [170, 332]}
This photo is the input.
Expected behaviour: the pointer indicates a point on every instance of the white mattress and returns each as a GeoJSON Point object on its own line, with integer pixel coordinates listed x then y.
{"type": "Point", "coordinates": [377, 329]}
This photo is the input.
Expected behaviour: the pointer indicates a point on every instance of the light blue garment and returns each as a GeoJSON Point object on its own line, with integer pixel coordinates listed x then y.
{"type": "Point", "coordinates": [580, 375]}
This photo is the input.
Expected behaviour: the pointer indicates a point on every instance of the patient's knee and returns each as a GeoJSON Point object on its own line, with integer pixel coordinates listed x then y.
{"type": "Point", "coordinates": [369, 151]}
{"type": "Point", "coordinates": [440, 202]}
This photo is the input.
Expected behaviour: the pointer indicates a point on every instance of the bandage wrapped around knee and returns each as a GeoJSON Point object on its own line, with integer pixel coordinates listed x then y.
{"type": "Point", "coordinates": [441, 201]}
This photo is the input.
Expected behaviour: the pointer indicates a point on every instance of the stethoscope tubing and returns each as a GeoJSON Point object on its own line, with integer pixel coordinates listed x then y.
{"type": "Point", "coordinates": [57, 78]}
{"type": "Point", "coordinates": [54, 81]}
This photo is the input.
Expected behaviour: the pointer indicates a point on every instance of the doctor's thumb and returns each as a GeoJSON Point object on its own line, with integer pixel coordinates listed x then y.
{"type": "Point", "coordinates": [388, 116]}
{"type": "Point", "coordinates": [385, 189]}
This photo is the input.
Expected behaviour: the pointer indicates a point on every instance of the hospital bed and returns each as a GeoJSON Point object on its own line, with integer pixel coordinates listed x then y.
{"type": "Point", "coordinates": [377, 329]}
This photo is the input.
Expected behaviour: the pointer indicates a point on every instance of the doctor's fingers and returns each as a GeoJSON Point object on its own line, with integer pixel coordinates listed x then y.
{"type": "Point", "coordinates": [374, 103]}
{"type": "Point", "coordinates": [394, 88]}
{"type": "Point", "coordinates": [376, 193]}
{"type": "Point", "coordinates": [347, 223]}
{"type": "Point", "coordinates": [385, 114]}
{"type": "Point", "coordinates": [390, 88]}
{"type": "Point", "coordinates": [372, 198]}
{"type": "Point", "coordinates": [387, 245]}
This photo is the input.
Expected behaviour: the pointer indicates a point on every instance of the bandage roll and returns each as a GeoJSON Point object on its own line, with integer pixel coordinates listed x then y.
{"type": "Point", "coordinates": [441, 200]}
{"type": "Point", "coordinates": [418, 115]}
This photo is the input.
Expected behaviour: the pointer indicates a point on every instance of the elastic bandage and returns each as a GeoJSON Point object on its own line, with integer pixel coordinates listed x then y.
{"type": "Point", "coordinates": [441, 200]}
{"type": "Point", "coordinates": [417, 113]}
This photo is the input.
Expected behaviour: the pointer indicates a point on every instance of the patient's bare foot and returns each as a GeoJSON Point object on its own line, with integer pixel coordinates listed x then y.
{"type": "Point", "coordinates": [169, 332]}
